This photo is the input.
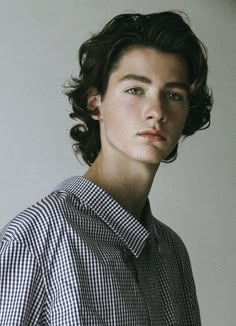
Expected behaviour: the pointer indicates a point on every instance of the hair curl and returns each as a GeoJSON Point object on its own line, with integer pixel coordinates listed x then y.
{"type": "Point", "coordinates": [98, 56]}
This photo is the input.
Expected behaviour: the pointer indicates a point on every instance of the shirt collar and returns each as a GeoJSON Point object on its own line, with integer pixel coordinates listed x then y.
{"type": "Point", "coordinates": [125, 225]}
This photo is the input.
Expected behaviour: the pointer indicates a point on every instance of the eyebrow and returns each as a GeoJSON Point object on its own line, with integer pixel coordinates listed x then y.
{"type": "Point", "coordinates": [148, 81]}
{"type": "Point", "coordinates": [181, 85]}
{"type": "Point", "coordinates": [139, 78]}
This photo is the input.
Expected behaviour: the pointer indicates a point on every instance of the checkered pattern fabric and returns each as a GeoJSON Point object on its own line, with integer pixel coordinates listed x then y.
{"type": "Point", "coordinates": [78, 258]}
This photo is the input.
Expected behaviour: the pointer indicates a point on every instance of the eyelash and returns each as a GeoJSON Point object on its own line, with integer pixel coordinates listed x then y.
{"type": "Point", "coordinates": [179, 96]}
{"type": "Point", "coordinates": [138, 91]}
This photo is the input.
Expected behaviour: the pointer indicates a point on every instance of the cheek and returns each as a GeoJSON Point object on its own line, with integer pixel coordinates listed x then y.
{"type": "Point", "coordinates": [181, 117]}
{"type": "Point", "coordinates": [177, 124]}
{"type": "Point", "coordinates": [120, 111]}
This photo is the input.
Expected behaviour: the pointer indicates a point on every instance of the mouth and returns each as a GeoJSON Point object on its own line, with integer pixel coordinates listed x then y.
{"type": "Point", "coordinates": [153, 138]}
{"type": "Point", "coordinates": [153, 135]}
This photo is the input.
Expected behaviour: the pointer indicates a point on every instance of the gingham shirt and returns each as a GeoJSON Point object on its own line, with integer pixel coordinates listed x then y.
{"type": "Point", "coordinates": [78, 258]}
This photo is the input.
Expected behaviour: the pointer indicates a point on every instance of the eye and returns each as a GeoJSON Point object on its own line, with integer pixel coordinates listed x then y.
{"type": "Point", "coordinates": [174, 96]}
{"type": "Point", "coordinates": [135, 91]}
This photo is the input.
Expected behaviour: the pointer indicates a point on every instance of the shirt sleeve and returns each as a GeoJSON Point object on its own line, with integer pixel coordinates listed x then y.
{"type": "Point", "coordinates": [22, 288]}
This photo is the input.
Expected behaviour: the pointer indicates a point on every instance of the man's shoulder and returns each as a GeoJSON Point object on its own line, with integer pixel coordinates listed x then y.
{"type": "Point", "coordinates": [41, 222]}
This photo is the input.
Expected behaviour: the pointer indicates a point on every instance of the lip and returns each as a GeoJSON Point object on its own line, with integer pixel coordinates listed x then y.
{"type": "Point", "coordinates": [153, 134]}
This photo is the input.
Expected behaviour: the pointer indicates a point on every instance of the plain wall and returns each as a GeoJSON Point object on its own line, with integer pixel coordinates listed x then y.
{"type": "Point", "coordinates": [195, 195]}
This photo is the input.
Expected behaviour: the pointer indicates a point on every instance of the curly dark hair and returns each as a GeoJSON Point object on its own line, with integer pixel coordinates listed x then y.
{"type": "Point", "coordinates": [98, 56]}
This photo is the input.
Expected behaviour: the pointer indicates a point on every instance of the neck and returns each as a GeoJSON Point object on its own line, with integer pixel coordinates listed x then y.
{"type": "Point", "coordinates": [129, 183]}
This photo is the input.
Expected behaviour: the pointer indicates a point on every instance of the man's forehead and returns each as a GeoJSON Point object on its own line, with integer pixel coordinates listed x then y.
{"type": "Point", "coordinates": [145, 62]}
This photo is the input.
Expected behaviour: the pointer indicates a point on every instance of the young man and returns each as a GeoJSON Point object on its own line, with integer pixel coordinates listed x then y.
{"type": "Point", "coordinates": [91, 252]}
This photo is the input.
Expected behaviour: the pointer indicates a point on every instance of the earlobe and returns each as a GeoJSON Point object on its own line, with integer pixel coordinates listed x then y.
{"type": "Point", "coordinates": [93, 105]}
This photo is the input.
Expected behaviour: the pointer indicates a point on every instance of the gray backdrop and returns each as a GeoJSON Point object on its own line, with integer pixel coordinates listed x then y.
{"type": "Point", "coordinates": [195, 195]}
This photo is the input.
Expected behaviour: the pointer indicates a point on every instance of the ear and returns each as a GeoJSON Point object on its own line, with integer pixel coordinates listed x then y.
{"type": "Point", "coordinates": [93, 104]}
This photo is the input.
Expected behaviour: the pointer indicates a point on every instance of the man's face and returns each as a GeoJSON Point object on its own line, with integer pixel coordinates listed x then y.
{"type": "Point", "coordinates": [145, 107]}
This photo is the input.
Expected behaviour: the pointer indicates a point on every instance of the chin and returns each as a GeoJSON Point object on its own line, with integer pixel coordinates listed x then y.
{"type": "Point", "coordinates": [153, 162]}
{"type": "Point", "coordinates": [155, 157]}
{"type": "Point", "coordinates": [150, 160]}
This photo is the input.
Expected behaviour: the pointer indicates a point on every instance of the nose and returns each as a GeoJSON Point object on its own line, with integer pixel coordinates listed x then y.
{"type": "Point", "coordinates": [156, 110]}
